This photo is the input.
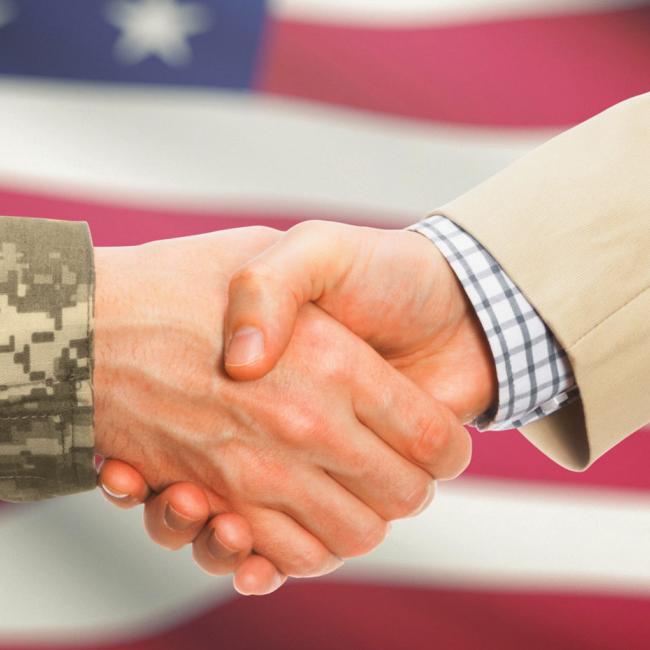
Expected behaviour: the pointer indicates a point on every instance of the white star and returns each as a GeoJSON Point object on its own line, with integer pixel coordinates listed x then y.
{"type": "Point", "coordinates": [7, 12]}
{"type": "Point", "coordinates": [156, 28]}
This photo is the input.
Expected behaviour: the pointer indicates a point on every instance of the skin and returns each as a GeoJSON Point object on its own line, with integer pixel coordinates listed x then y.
{"type": "Point", "coordinates": [301, 481]}
{"type": "Point", "coordinates": [392, 288]}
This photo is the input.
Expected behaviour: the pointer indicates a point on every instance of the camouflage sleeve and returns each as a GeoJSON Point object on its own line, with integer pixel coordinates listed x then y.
{"type": "Point", "coordinates": [46, 292]}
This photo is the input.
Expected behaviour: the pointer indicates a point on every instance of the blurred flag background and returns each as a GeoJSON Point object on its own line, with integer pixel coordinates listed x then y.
{"type": "Point", "coordinates": [160, 118]}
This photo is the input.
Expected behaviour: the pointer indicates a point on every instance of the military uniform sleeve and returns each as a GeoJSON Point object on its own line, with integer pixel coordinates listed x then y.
{"type": "Point", "coordinates": [46, 406]}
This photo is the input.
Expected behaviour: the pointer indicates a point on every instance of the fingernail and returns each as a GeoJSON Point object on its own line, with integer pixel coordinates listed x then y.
{"type": "Point", "coordinates": [246, 346]}
{"type": "Point", "coordinates": [276, 583]}
{"type": "Point", "coordinates": [115, 495]}
{"type": "Point", "coordinates": [244, 590]}
{"type": "Point", "coordinates": [175, 520]}
{"type": "Point", "coordinates": [218, 548]}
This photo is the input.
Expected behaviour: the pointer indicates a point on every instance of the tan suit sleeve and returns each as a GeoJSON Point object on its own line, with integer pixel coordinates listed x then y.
{"type": "Point", "coordinates": [46, 406]}
{"type": "Point", "coordinates": [570, 224]}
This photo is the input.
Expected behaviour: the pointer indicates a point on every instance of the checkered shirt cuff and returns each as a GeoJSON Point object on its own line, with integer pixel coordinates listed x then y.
{"type": "Point", "coordinates": [533, 372]}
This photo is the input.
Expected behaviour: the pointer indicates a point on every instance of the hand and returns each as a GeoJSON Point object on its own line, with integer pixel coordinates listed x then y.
{"type": "Point", "coordinates": [230, 538]}
{"type": "Point", "coordinates": [309, 477]}
{"type": "Point", "coordinates": [394, 289]}
{"type": "Point", "coordinates": [177, 515]}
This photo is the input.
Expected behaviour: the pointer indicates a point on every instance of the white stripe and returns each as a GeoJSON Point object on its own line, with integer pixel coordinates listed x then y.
{"type": "Point", "coordinates": [400, 12]}
{"type": "Point", "coordinates": [499, 534]}
{"type": "Point", "coordinates": [78, 568]}
{"type": "Point", "coordinates": [204, 149]}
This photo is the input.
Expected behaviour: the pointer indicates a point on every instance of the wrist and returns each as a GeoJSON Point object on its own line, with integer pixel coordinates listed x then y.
{"type": "Point", "coordinates": [468, 337]}
{"type": "Point", "coordinates": [476, 358]}
{"type": "Point", "coordinates": [459, 340]}
{"type": "Point", "coordinates": [109, 291]}
{"type": "Point", "coordinates": [487, 386]}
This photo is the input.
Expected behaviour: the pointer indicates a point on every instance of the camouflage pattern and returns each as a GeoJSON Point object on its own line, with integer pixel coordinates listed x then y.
{"type": "Point", "coordinates": [46, 415]}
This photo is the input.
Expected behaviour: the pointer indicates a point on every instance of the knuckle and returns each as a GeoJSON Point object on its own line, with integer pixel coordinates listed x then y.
{"type": "Point", "coordinates": [260, 278]}
{"type": "Point", "coordinates": [250, 277]}
{"type": "Point", "coordinates": [361, 542]}
{"type": "Point", "coordinates": [311, 562]}
{"type": "Point", "coordinates": [300, 437]}
{"type": "Point", "coordinates": [461, 457]}
{"type": "Point", "coordinates": [301, 426]}
{"type": "Point", "coordinates": [412, 500]}
{"type": "Point", "coordinates": [431, 439]}
{"type": "Point", "coordinates": [312, 227]}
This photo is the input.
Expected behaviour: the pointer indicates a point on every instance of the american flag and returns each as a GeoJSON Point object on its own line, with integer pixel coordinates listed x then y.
{"type": "Point", "coordinates": [161, 118]}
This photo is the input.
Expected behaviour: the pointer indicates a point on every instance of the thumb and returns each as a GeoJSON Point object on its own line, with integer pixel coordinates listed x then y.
{"type": "Point", "coordinates": [266, 294]}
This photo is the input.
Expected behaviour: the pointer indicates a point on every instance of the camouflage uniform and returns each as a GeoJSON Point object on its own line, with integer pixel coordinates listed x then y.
{"type": "Point", "coordinates": [46, 304]}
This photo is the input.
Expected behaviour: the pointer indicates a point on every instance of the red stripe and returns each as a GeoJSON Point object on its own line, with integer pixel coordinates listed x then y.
{"type": "Point", "coordinates": [122, 224]}
{"type": "Point", "coordinates": [115, 224]}
{"type": "Point", "coordinates": [544, 71]}
{"type": "Point", "coordinates": [327, 615]}
{"type": "Point", "coordinates": [503, 454]}
{"type": "Point", "coordinates": [507, 454]}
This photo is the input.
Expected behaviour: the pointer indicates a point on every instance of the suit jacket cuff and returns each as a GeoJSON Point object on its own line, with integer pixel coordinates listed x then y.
{"type": "Point", "coordinates": [568, 222]}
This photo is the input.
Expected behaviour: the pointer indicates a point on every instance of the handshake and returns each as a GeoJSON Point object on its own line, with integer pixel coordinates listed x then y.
{"type": "Point", "coordinates": [276, 436]}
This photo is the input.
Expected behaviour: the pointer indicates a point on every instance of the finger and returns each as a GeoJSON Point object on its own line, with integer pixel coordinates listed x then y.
{"type": "Point", "coordinates": [223, 544]}
{"type": "Point", "coordinates": [174, 517]}
{"type": "Point", "coordinates": [266, 293]}
{"type": "Point", "coordinates": [417, 426]}
{"type": "Point", "coordinates": [122, 484]}
{"type": "Point", "coordinates": [288, 546]}
{"type": "Point", "coordinates": [377, 475]}
{"type": "Point", "coordinates": [359, 460]}
{"type": "Point", "coordinates": [335, 516]}
{"type": "Point", "coordinates": [257, 577]}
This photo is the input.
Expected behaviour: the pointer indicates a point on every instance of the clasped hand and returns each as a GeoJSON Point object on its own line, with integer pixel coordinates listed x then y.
{"type": "Point", "coordinates": [280, 437]}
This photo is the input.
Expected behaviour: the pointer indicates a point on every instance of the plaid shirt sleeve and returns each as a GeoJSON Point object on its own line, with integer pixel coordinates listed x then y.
{"type": "Point", "coordinates": [533, 372]}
